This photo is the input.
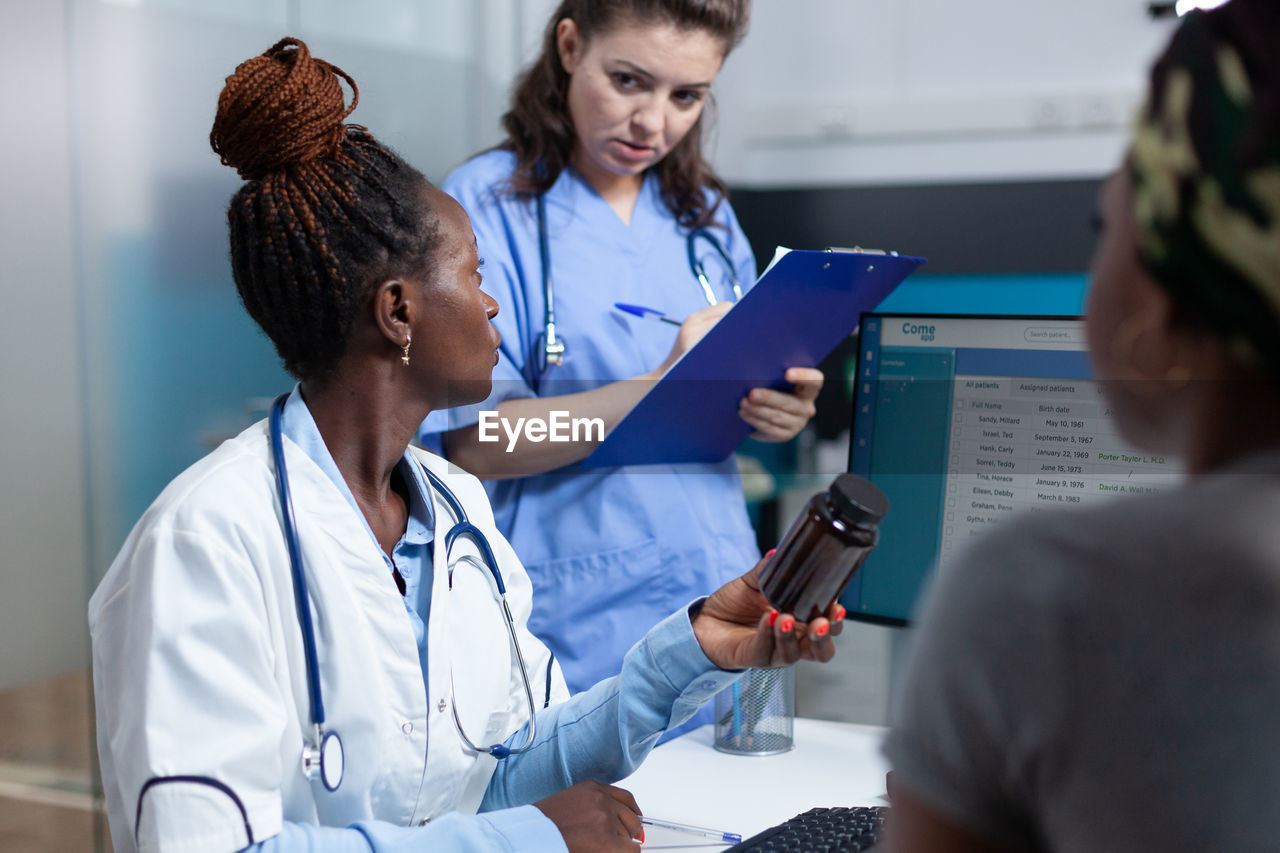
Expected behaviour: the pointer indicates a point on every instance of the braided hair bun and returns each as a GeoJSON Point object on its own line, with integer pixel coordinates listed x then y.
{"type": "Point", "coordinates": [282, 107]}
{"type": "Point", "coordinates": [325, 208]}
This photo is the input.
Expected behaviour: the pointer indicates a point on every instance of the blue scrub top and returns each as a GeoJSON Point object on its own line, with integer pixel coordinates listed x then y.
{"type": "Point", "coordinates": [611, 551]}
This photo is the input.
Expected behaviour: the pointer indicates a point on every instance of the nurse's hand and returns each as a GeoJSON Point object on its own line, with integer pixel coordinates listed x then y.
{"type": "Point", "coordinates": [691, 331]}
{"type": "Point", "coordinates": [738, 629]}
{"type": "Point", "coordinates": [592, 816]}
{"type": "Point", "coordinates": [779, 415]}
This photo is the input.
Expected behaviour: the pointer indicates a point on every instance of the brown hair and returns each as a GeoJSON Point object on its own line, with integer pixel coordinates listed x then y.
{"type": "Point", "coordinates": [325, 208]}
{"type": "Point", "coordinates": [540, 131]}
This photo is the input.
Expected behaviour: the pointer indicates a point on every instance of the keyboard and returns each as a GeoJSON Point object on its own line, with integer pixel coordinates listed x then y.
{"type": "Point", "coordinates": [836, 830]}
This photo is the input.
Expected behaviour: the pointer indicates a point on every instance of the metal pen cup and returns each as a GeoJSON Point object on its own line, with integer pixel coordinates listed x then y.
{"type": "Point", "coordinates": [756, 715]}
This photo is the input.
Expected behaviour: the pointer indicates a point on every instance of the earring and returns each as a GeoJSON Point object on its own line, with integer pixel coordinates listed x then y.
{"type": "Point", "coordinates": [404, 358]}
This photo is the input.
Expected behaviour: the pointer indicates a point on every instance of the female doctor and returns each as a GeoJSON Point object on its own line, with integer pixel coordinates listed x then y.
{"type": "Point", "coordinates": [600, 195]}
{"type": "Point", "coordinates": [371, 691]}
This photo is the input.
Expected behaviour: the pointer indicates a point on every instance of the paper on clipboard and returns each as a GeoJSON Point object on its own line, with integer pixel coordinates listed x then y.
{"type": "Point", "coordinates": [778, 254]}
{"type": "Point", "coordinates": [803, 305]}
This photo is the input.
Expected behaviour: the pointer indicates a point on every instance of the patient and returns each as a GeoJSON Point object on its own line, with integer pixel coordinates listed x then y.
{"type": "Point", "coordinates": [1109, 678]}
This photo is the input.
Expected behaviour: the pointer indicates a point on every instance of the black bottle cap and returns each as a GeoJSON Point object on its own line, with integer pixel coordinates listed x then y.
{"type": "Point", "coordinates": [857, 501]}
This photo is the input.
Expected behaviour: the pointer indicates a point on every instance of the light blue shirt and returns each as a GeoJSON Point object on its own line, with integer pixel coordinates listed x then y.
{"type": "Point", "coordinates": [610, 551]}
{"type": "Point", "coordinates": [603, 733]}
{"type": "Point", "coordinates": [412, 554]}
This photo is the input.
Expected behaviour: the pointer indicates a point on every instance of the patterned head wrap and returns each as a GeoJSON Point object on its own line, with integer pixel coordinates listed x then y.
{"type": "Point", "coordinates": [1205, 168]}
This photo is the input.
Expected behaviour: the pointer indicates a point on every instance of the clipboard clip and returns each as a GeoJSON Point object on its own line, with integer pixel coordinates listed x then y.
{"type": "Point", "coordinates": [861, 251]}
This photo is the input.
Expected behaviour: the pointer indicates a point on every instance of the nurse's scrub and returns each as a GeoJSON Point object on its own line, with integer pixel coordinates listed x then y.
{"type": "Point", "coordinates": [610, 551]}
{"type": "Point", "coordinates": [365, 277]}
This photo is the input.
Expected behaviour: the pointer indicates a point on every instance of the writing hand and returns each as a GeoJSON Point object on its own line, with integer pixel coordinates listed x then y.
{"type": "Point", "coordinates": [594, 817]}
{"type": "Point", "coordinates": [692, 329]}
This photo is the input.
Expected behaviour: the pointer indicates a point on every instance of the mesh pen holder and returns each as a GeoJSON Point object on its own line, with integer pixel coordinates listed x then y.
{"type": "Point", "coordinates": [756, 716]}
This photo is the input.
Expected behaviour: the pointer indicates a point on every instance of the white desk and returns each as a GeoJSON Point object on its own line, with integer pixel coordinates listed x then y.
{"type": "Point", "coordinates": [689, 781]}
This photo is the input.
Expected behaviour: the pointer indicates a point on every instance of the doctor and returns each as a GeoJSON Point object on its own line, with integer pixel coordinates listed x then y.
{"type": "Point", "coordinates": [371, 691]}
{"type": "Point", "coordinates": [601, 195]}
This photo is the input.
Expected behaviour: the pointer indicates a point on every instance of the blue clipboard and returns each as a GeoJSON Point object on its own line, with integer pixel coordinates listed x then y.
{"type": "Point", "coordinates": [798, 312]}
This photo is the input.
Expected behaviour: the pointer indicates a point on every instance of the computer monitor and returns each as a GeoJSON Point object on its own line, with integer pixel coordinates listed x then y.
{"type": "Point", "coordinates": [966, 421]}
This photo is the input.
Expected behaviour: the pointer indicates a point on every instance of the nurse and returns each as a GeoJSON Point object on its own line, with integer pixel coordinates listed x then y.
{"type": "Point", "coordinates": [603, 158]}
{"type": "Point", "coordinates": [221, 681]}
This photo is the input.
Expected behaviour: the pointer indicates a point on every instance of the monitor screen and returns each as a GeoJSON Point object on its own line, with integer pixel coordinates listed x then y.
{"type": "Point", "coordinates": [966, 421]}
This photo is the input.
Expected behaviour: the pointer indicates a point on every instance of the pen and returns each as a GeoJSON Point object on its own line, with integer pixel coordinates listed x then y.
{"type": "Point", "coordinates": [737, 713]}
{"type": "Point", "coordinates": [726, 837]}
{"type": "Point", "coordinates": [641, 311]}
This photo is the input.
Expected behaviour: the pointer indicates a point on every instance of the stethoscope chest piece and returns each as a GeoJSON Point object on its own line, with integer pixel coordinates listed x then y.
{"type": "Point", "coordinates": [329, 762]}
{"type": "Point", "coordinates": [552, 349]}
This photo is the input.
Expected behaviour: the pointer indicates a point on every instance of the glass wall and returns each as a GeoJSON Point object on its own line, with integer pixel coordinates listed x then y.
{"type": "Point", "coordinates": [178, 365]}
{"type": "Point", "coordinates": [126, 352]}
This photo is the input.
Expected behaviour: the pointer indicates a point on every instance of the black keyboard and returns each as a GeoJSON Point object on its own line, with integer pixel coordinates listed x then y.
{"type": "Point", "coordinates": [837, 830]}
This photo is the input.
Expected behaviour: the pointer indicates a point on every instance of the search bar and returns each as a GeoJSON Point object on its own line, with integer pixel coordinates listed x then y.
{"type": "Point", "coordinates": [1053, 335]}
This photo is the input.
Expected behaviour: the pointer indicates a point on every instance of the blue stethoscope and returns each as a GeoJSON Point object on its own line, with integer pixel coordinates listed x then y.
{"type": "Point", "coordinates": [552, 346]}
{"type": "Point", "coordinates": [322, 755]}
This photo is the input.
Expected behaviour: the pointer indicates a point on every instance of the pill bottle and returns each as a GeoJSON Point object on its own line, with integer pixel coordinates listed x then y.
{"type": "Point", "coordinates": [825, 546]}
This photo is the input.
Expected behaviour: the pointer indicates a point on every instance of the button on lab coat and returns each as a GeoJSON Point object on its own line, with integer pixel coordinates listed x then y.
{"type": "Point", "coordinates": [199, 672]}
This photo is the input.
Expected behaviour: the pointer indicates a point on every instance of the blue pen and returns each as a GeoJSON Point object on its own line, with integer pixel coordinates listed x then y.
{"type": "Point", "coordinates": [726, 837]}
{"type": "Point", "coordinates": [737, 713]}
{"type": "Point", "coordinates": [641, 311]}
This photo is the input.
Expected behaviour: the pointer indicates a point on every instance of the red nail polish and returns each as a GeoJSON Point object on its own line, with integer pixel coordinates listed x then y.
{"type": "Point", "coordinates": [787, 625]}
{"type": "Point", "coordinates": [773, 617]}
{"type": "Point", "coordinates": [821, 630]}
{"type": "Point", "coordinates": [772, 551]}
{"type": "Point", "coordinates": [840, 611]}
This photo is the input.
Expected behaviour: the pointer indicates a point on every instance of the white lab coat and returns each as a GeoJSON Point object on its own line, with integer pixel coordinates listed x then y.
{"type": "Point", "coordinates": [199, 672]}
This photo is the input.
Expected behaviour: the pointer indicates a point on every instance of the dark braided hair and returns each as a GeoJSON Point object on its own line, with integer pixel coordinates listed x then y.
{"type": "Point", "coordinates": [541, 133]}
{"type": "Point", "coordinates": [326, 210]}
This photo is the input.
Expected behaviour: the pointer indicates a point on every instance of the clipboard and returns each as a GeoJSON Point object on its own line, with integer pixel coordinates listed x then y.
{"type": "Point", "coordinates": [800, 310]}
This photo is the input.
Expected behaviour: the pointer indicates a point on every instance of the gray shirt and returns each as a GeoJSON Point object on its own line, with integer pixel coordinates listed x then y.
{"type": "Point", "coordinates": [1108, 678]}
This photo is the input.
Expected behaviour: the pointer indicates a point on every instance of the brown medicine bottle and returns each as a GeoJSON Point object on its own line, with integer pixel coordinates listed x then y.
{"type": "Point", "coordinates": [825, 546]}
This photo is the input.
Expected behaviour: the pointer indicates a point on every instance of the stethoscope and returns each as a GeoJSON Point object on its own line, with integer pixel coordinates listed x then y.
{"type": "Point", "coordinates": [552, 346]}
{"type": "Point", "coordinates": [322, 754]}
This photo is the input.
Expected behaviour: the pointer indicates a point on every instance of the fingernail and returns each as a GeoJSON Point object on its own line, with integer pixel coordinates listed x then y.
{"type": "Point", "coordinates": [840, 611]}
{"type": "Point", "coordinates": [773, 617]}
{"type": "Point", "coordinates": [787, 625]}
{"type": "Point", "coordinates": [772, 551]}
{"type": "Point", "coordinates": [821, 630]}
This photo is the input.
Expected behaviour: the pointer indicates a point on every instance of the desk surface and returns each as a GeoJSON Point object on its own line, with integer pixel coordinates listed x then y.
{"type": "Point", "coordinates": [689, 781]}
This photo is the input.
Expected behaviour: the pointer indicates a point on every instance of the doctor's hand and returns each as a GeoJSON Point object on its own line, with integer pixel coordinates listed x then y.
{"type": "Point", "coordinates": [779, 415]}
{"type": "Point", "coordinates": [691, 331]}
{"type": "Point", "coordinates": [737, 628]}
{"type": "Point", "coordinates": [592, 816]}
